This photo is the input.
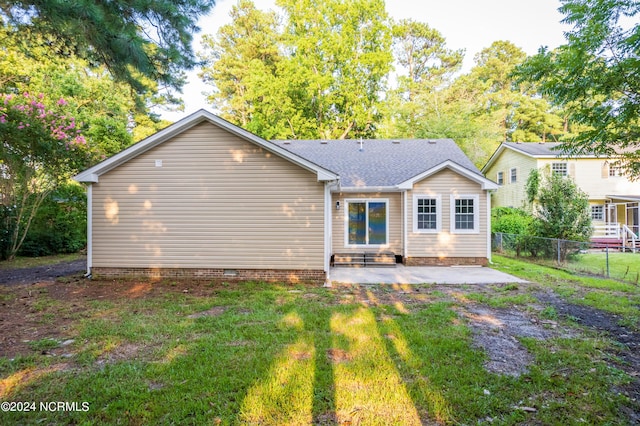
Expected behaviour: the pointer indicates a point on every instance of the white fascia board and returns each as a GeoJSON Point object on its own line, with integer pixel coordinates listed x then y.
{"type": "Point", "coordinates": [493, 158]}
{"type": "Point", "coordinates": [92, 174]}
{"type": "Point", "coordinates": [484, 182]}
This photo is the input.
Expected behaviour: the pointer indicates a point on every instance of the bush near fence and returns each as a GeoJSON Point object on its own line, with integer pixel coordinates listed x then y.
{"type": "Point", "coordinates": [607, 260]}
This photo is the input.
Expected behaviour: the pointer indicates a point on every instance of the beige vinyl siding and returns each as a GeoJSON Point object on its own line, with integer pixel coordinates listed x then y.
{"type": "Point", "coordinates": [216, 202]}
{"type": "Point", "coordinates": [510, 194]}
{"type": "Point", "coordinates": [446, 244]}
{"type": "Point", "coordinates": [394, 219]}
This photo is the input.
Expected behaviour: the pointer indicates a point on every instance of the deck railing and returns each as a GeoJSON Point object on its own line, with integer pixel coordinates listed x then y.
{"type": "Point", "coordinates": [606, 230]}
{"type": "Point", "coordinates": [630, 237]}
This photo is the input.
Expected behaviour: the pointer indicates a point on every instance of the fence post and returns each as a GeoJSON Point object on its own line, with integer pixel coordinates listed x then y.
{"type": "Point", "coordinates": [558, 251]}
{"type": "Point", "coordinates": [606, 250]}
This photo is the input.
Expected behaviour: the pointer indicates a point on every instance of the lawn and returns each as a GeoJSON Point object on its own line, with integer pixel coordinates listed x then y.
{"type": "Point", "coordinates": [622, 266]}
{"type": "Point", "coordinates": [256, 353]}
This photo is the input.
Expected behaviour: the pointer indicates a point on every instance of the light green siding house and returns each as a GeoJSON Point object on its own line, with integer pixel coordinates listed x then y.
{"type": "Point", "coordinates": [613, 197]}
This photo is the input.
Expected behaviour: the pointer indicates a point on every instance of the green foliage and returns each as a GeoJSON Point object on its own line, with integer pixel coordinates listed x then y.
{"type": "Point", "coordinates": [108, 109]}
{"type": "Point", "coordinates": [510, 220]}
{"type": "Point", "coordinates": [59, 225]}
{"type": "Point", "coordinates": [318, 75]}
{"type": "Point", "coordinates": [594, 77]}
{"type": "Point", "coordinates": [520, 229]}
{"type": "Point", "coordinates": [562, 209]}
{"type": "Point", "coordinates": [42, 147]}
{"type": "Point", "coordinates": [136, 40]}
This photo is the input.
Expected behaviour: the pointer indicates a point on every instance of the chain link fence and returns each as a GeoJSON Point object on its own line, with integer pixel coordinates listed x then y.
{"type": "Point", "coordinates": [608, 259]}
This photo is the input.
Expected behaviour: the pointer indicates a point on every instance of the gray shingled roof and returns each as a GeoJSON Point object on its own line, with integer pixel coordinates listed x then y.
{"type": "Point", "coordinates": [537, 149]}
{"type": "Point", "coordinates": [381, 163]}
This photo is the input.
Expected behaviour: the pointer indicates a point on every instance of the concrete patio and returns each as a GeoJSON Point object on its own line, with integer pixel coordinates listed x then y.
{"type": "Point", "coordinates": [421, 275]}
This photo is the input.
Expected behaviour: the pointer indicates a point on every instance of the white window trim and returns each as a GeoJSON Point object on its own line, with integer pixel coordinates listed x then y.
{"type": "Point", "coordinates": [438, 199]}
{"type": "Point", "coordinates": [511, 178]}
{"type": "Point", "coordinates": [498, 176]}
{"type": "Point", "coordinates": [346, 221]}
{"type": "Point", "coordinates": [601, 213]}
{"type": "Point", "coordinates": [476, 214]}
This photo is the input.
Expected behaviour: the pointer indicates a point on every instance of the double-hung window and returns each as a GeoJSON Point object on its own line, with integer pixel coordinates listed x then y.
{"type": "Point", "coordinates": [559, 169]}
{"type": "Point", "coordinates": [597, 213]}
{"type": "Point", "coordinates": [427, 216]}
{"type": "Point", "coordinates": [500, 178]}
{"type": "Point", "coordinates": [465, 214]}
{"type": "Point", "coordinates": [366, 222]}
{"type": "Point", "coordinates": [514, 175]}
{"type": "Point", "coordinates": [615, 171]}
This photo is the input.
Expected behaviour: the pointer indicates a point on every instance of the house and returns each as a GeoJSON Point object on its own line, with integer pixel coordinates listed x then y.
{"type": "Point", "coordinates": [612, 196]}
{"type": "Point", "coordinates": [206, 199]}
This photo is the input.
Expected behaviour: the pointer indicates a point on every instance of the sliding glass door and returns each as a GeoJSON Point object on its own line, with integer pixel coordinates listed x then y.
{"type": "Point", "coordinates": [367, 222]}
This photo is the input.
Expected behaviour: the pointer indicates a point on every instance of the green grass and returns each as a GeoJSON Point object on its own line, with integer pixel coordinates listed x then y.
{"type": "Point", "coordinates": [30, 262]}
{"type": "Point", "coordinates": [502, 297]}
{"type": "Point", "coordinates": [622, 266]}
{"type": "Point", "coordinates": [609, 295]}
{"type": "Point", "coordinates": [275, 354]}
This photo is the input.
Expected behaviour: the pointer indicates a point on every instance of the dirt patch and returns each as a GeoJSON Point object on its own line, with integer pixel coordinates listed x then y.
{"type": "Point", "coordinates": [338, 355]}
{"type": "Point", "coordinates": [213, 312]}
{"type": "Point", "coordinates": [496, 333]}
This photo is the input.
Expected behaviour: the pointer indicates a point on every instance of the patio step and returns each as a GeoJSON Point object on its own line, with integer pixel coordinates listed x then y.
{"type": "Point", "coordinates": [361, 260]}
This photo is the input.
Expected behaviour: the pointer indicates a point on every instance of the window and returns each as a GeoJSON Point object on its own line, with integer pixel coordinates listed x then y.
{"type": "Point", "coordinates": [465, 214]}
{"type": "Point", "coordinates": [514, 176]}
{"type": "Point", "coordinates": [615, 171]}
{"type": "Point", "coordinates": [366, 222]}
{"type": "Point", "coordinates": [559, 169]}
{"type": "Point", "coordinates": [426, 217]}
{"type": "Point", "coordinates": [597, 213]}
{"type": "Point", "coordinates": [500, 178]}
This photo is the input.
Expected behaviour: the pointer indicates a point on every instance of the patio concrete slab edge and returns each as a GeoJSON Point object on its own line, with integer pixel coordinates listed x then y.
{"type": "Point", "coordinates": [422, 275]}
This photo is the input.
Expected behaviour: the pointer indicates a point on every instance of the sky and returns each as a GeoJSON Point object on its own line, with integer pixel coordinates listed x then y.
{"type": "Point", "coordinates": [465, 24]}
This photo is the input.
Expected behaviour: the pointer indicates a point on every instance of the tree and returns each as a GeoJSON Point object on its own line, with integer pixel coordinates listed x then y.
{"type": "Point", "coordinates": [594, 76]}
{"type": "Point", "coordinates": [319, 74]}
{"type": "Point", "coordinates": [241, 58]}
{"type": "Point", "coordinates": [134, 39]}
{"type": "Point", "coordinates": [426, 67]}
{"type": "Point", "coordinates": [42, 146]}
{"type": "Point", "coordinates": [338, 59]}
{"type": "Point", "coordinates": [113, 115]}
{"type": "Point", "coordinates": [422, 53]}
{"type": "Point", "coordinates": [561, 208]}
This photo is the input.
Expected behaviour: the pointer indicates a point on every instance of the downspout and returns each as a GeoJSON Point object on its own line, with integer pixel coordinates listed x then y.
{"type": "Point", "coordinates": [89, 230]}
{"type": "Point", "coordinates": [405, 223]}
{"type": "Point", "coordinates": [328, 219]}
{"type": "Point", "coordinates": [489, 227]}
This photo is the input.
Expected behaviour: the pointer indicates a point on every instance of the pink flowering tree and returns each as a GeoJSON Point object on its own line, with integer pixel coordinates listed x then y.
{"type": "Point", "coordinates": [41, 147]}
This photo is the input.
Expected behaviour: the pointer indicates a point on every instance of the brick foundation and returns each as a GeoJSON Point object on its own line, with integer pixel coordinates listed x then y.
{"type": "Point", "coordinates": [445, 261]}
{"type": "Point", "coordinates": [280, 275]}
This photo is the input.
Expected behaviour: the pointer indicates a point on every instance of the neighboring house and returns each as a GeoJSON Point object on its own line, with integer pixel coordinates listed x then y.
{"type": "Point", "coordinates": [613, 197]}
{"type": "Point", "coordinates": [206, 199]}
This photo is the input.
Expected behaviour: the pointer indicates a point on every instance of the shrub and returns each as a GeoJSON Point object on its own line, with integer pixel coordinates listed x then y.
{"type": "Point", "coordinates": [60, 225]}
